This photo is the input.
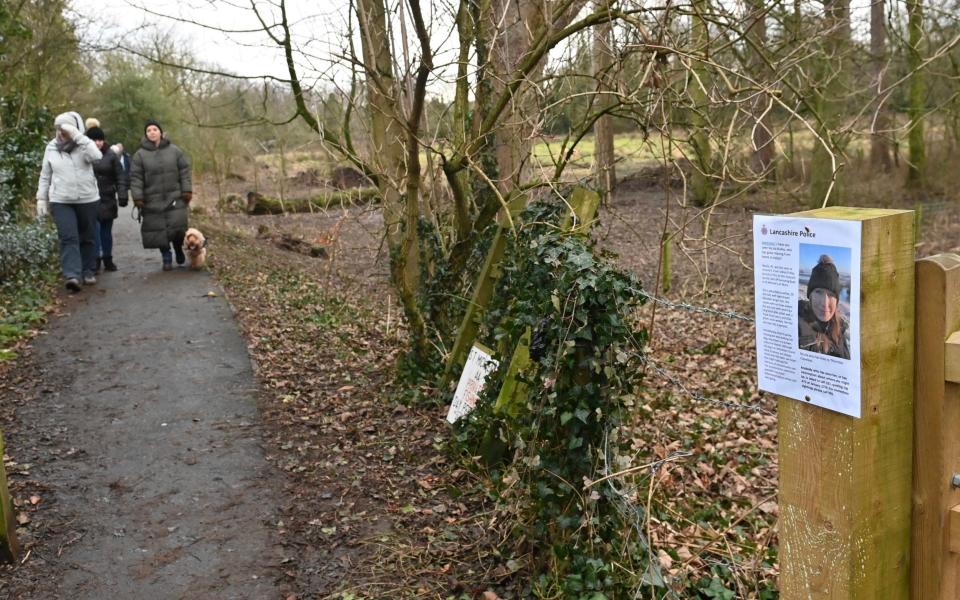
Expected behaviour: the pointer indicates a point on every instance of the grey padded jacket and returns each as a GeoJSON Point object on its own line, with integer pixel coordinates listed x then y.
{"type": "Point", "coordinates": [159, 176]}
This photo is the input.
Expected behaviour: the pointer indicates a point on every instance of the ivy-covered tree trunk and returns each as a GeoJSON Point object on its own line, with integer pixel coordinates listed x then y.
{"type": "Point", "coordinates": [701, 184]}
{"type": "Point", "coordinates": [400, 209]}
{"type": "Point", "coordinates": [916, 170]}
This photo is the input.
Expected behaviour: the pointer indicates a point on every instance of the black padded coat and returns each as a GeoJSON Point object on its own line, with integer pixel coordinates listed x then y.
{"type": "Point", "coordinates": [112, 183]}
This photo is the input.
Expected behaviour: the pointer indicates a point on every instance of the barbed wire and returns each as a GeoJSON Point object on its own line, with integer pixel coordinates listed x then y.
{"type": "Point", "coordinates": [646, 361]}
{"type": "Point", "coordinates": [693, 308]}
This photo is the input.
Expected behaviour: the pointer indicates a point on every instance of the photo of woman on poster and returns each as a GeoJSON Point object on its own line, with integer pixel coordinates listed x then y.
{"type": "Point", "coordinates": [824, 306]}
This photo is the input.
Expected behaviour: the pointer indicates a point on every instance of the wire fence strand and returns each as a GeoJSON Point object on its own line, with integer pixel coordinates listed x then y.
{"type": "Point", "coordinates": [694, 308]}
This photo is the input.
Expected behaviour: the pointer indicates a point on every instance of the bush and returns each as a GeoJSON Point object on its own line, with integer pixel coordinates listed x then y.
{"type": "Point", "coordinates": [22, 142]}
{"type": "Point", "coordinates": [26, 271]}
{"type": "Point", "coordinates": [26, 251]}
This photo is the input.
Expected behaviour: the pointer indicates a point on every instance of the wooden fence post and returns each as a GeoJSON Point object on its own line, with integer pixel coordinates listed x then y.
{"type": "Point", "coordinates": [936, 455]}
{"type": "Point", "coordinates": [844, 482]}
{"type": "Point", "coordinates": [8, 517]}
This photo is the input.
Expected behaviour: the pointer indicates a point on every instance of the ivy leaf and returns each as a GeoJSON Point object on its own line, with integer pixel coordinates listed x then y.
{"type": "Point", "coordinates": [581, 261]}
{"type": "Point", "coordinates": [565, 417]}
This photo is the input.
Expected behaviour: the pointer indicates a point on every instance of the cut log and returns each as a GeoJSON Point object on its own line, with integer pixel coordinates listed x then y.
{"type": "Point", "coordinates": [258, 204]}
{"type": "Point", "coordinates": [285, 241]}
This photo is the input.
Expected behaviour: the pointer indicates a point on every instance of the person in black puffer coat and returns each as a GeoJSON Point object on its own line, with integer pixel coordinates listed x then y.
{"type": "Point", "coordinates": [112, 184]}
{"type": "Point", "coordinates": [162, 187]}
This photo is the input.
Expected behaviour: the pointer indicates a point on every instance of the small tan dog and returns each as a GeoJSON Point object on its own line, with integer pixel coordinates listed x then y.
{"type": "Point", "coordinates": [195, 247]}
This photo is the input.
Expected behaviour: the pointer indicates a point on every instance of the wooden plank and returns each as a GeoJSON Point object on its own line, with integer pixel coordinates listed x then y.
{"type": "Point", "coordinates": [845, 483]}
{"type": "Point", "coordinates": [9, 549]}
{"type": "Point", "coordinates": [513, 391]}
{"type": "Point", "coordinates": [954, 545]}
{"type": "Point", "coordinates": [936, 454]}
{"type": "Point", "coordinates": [951, 358]}
{"type": "Point", "coordinates": [482, 291]}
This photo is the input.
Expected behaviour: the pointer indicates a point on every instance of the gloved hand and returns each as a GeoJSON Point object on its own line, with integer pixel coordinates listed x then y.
{"type": "Point", "coordinates": [69, 131]}
{"type": "Point", "coordinates": [122, 200]}
{"type": "Point", "coordinates": [187, 197]}
{"type": "Point", "coordinates": [43, 208]}
{"type": "Point", "coordinates": [138, 202]}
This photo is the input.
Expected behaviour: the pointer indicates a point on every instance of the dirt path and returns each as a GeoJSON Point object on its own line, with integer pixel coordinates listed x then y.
{"type": "Point", "coordinates": [139, 428]}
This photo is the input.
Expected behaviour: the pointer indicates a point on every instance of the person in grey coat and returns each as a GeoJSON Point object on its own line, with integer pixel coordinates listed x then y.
{"type": "Point", "coordinates": [162, 188]}
{"type": "Point", "coordinates": [68, 189]}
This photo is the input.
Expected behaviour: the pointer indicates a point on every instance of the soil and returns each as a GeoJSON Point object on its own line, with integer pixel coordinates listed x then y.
{"type": "Point", "coordinates": [173, 458]}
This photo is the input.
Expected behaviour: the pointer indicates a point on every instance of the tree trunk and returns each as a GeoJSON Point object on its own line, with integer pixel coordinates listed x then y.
{"type": "Point", "coordinates": [701, 184]}
{"type": "Point", "coordinates": [462, 196]}
{"type": "Point", "coordinates": [916, 170]}
{"type": "Point", "coordinates": [515, 21]}
{"type": "Point", "coordinates": [762, 158]}
{"type": "Point", "coordinates": [827, 103]}
{"type": "Point", "coordinates": [604, 160]}
{"type": "Point", "coordinates": [388, 158]}
{"type": "Point", "coordinates": [879, 143]}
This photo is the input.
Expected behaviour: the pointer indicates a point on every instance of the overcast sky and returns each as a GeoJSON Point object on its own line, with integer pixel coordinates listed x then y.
{"type": "Point", "coordinates": [318, 30]}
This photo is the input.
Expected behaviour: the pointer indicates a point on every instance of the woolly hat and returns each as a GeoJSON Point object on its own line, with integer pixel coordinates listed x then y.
{"type": "Point", "coordinates": [154, 123]}
{"type": "Point", "coordinates": [825, 276]}
{"type": "Point", "coordinates": [91, 122]}
{"type": "Point", "coordinates": [69, 118]}
{"type": "Point", "coordinates": [95, 133]}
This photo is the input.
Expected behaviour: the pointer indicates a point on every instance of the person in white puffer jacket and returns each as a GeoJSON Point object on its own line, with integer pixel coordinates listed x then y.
{"type": "Point", "coordinates": [68, 190]}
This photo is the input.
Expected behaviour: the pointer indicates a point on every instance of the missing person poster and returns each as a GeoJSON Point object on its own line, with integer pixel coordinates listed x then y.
{"type": "Point", "coordinates": [807, 282]}
{"type": "Point", "coordinates": [479, 364]}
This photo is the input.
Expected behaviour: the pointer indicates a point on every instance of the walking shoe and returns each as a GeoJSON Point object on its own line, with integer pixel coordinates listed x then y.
{"type": "Point", "coordinates": [108, 263]}
{"type": "Point", "coordinates": [72, 284]}
{"type": "Point", "coordinates": [89, 280]}
{"type": "Point", "coordinates": [167, 266]}
{"type": "Point", "coordinates": [181, 257]}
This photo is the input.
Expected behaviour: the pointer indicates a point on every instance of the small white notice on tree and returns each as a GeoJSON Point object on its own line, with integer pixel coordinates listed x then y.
{"type": "Point", "coordinates": [479, 364]}
{"type": "Point", "coordinates": [807, 286]}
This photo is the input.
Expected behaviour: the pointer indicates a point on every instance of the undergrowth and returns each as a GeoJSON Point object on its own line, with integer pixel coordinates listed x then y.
{"type": "Point", "coordinates": [545, 447]}
{"type": "Point", "coordinates": [27, 272]}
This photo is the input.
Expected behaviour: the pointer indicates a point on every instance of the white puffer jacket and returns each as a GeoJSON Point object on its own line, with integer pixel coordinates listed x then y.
{"type": "Point", "coordinates": [68, 178]}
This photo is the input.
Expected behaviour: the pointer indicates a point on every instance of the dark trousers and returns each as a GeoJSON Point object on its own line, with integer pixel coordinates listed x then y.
{"type": "Point", "coordinates": [77, 230]}
{"type": "Point", "coordinates": [175, 244]}
{"type": "Point", "coordinates": [105, 238]}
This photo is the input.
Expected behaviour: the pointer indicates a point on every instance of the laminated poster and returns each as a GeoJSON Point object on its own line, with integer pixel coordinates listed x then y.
{"type": "Point", "coordinates": [479, 364]}
{"type": "Point", "coordinates": [807, 286]}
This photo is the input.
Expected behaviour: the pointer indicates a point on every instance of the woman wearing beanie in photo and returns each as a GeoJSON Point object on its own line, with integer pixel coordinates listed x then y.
{"type": "Point", "coordinates": [162, 189]}
{"type": "Point", "coordinates": [821, 327]}
{"type": "Point", "coordinates": [112, 182]}
{"type": "Point", "coordinates": [68, 189]}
